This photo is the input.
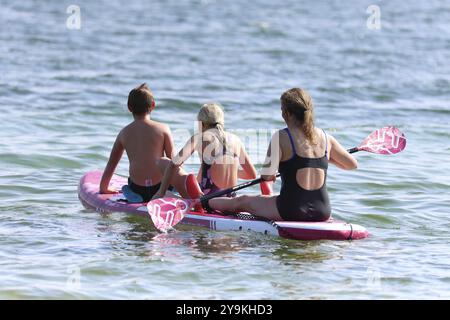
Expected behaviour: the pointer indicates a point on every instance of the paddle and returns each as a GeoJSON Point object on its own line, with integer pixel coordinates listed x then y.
{"type": "Point", "coordinates": [387, 140]}
{"type": "Point", "coordinates": [167, 212]}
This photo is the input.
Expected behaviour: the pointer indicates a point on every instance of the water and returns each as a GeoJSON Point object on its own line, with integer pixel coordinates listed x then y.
{"type": "Point", "coordinates": [63, 99]}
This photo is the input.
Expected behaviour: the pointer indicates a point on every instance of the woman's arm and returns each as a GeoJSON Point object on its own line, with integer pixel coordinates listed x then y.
{"type": "Point", "coordinates": [176, 162]}
{"type": "Point", "coordinates": [273, 157]}
{"type": "Point", "coordinates": [114, 158]}
{"type": "Point", "coordinates": [248, 170]}
{"type": "Point", "coordinates": [340, 157]}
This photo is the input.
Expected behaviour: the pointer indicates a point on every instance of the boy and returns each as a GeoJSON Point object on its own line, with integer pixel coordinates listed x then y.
{"type": "Point", "coordinates": [145, 141]}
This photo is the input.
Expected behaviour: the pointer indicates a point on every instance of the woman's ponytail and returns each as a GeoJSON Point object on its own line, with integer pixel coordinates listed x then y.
{"type": "Point", "coordinates": [299, 103]}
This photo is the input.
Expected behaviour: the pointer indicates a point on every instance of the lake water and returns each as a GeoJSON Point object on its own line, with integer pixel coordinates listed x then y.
{"type": "Point", "coordinates": [63, 98]}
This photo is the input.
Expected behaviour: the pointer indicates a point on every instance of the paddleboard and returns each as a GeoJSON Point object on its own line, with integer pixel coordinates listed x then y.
{"type": "Point", "coordinates": [88, 193]}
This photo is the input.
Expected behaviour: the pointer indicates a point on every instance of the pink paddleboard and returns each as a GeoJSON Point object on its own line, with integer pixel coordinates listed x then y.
{"type": "Point", "coordinates": [88, 193]}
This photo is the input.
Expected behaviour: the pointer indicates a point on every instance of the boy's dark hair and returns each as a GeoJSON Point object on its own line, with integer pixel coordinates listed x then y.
{"type": "Point", "coordinates": [140, 99]}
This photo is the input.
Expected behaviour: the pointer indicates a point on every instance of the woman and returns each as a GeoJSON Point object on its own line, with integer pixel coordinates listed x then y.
{"type": "Point", "coordinates": [223, 155]}
{"type": "Point", "coordinates": [301, 153]}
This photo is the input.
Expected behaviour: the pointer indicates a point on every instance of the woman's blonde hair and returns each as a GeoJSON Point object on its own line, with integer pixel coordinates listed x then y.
{"type": "Point", "coordinates": [299, 103]}
{"type": "Point", "coordinates": [211, 115]}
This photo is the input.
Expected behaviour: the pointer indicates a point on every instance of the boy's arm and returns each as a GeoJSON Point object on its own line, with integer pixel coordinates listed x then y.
{"type": "Point", "coordinates": [168, 143]}
{"type": "Point", "coordinates": [114, 158]}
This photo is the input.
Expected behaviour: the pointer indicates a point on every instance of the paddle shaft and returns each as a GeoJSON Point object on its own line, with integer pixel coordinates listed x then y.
{"type": "Point", "coordinates": [233, 189]}
{"type": "Point", "coordinates": [248, 184]}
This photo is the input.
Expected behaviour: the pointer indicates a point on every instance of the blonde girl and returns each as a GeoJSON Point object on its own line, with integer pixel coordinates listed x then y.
{"type": "Point", "coordinates": [224, 158]}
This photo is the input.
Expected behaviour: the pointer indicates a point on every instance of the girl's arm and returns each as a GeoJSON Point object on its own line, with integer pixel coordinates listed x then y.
{"type": "Point", "coordinates": [340, 157]}
{"type": "Point", "coordinates": [176, 162]}
{"type": "Point", "coordinates": [248, 170]}
{"type": "Point", "coordinates": [114, 158]}
{"type": "Point", "coordinates": [273, 157]}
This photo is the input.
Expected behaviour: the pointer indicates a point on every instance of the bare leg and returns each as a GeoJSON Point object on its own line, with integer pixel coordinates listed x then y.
{"type": "Point", "coordinates": [261, 206]}
{"type": "Point", "coordinates": [178, 179]}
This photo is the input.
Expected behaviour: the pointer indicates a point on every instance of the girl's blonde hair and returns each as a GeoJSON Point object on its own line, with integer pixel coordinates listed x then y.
{"type": "Point", "coordinates": [211, 115]}
{"type": "Point", "coordinates": [299, 103]}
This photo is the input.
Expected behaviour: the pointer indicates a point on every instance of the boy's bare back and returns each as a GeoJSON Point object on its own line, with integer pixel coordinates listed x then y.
{"type": "Point", "coordinates": [145, 142]}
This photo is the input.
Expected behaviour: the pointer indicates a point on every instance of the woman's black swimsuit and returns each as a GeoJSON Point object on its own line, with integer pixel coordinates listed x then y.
{"type": "Point", "coordinates": [295, 203]}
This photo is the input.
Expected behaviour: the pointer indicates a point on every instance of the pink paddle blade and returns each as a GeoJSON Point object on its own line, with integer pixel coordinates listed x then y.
{"type": "Point", "coordinates": [387, 140]}
{"type": "Point", "coordinates": [167, 212]}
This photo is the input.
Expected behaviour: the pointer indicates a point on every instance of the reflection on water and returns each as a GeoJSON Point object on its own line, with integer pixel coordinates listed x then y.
{"type": "Point", "coordinates": [204, 244]}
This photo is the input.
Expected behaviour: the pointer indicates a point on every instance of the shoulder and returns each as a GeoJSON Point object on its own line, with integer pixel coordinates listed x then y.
{"type": "Point", "coordinates": [280, 139]}
{"type": "Point", "coordinates": [232, 138]}
{"type": "Point", "coordinates": [329, 136]}
{"type": "Point", "coordinates": [234, 143]}
{"type": "Point", "coordinates": [282, 132]}
{"type": "Point", "coordinates": [282, 135]}
{"type": "Point", "coordinates": [322, 132]}
{"type": "Point", "coordinates": [165, 129]}
{"type": "Point", "coordinates": [128, 127]}
{"type": "Point", "coordinates": [159, 126]}
{"type": "Point", "coordinates": [125, 130]}
{"type": "Point", "coordinates": [125, 133]}
{"type": "Point", "coordinates": [331, 141]}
